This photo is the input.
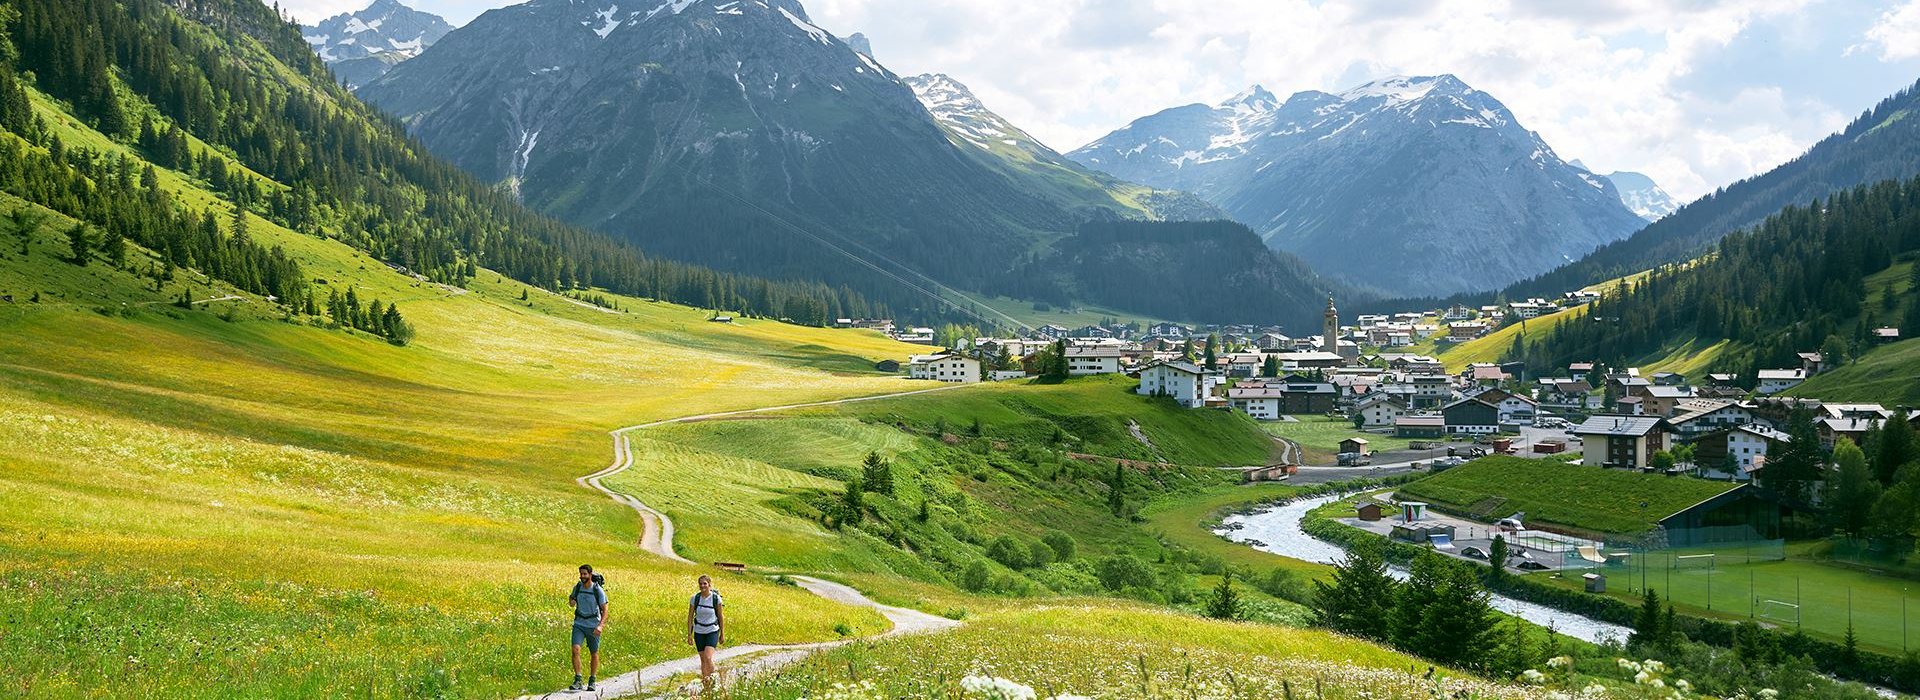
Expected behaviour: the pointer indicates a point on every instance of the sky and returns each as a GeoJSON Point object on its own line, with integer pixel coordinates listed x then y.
{"type": "Point", "coordinates": [1694, 93]}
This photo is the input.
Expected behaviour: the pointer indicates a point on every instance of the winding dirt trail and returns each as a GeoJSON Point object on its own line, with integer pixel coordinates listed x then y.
{"type": "Point", "coordinates": [656, 537]}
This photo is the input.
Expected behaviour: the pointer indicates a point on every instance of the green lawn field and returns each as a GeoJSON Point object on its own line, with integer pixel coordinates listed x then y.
{"type": "Point", "coordinates": [1884, 610]}
{"type": "Point", "coordinates": [1606, 501]}
{"type": "Point", "coordinates": [1319, 436]}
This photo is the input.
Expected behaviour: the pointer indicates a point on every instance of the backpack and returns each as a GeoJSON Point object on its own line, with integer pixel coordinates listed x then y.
{"type": "Point", "coordinates": [598, 582]}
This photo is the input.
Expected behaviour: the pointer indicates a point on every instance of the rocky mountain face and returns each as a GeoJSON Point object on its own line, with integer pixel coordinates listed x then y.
{"type": "Point", "coordinates": [364, 45]}
{"type": "Point", "coordinates": [738, 133]}
{"type": "Point", "coordinates": [981, 132]}
{"type": "Point", "coordinates": [1410, 186]}
{"type": "Point", "coordinates": [1641, 194]}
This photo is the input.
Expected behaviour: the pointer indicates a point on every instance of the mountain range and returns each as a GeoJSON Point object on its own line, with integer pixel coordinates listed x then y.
{"type": "Point", "coordinates": [1409, 185]}
{"type": "Point", "coordinates": [744, 136]}
{"type": "Point", "coordinates": [364, 45]}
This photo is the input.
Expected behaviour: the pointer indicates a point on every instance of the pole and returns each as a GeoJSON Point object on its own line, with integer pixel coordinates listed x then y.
{"type": "Point", "coordinates": [1750, 593]}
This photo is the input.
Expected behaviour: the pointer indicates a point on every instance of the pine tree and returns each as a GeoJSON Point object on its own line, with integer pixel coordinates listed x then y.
{"type": "Point", "coordinates": [115, 247]}
{"type": "Point", "coordinates": [1896, 445]}
{"type": "Point", "coordinates": [1225, 602]}
{"type": "Point", "coordinates": [1271, 366]}
{"type": "Point", "coordinates": [877, 472]}
{"type": "Point", "coordinates": [80, 243]}
{"type": "Point", "coordinates": [1212, 351]}
{"type": "Point", "coordinates": [1646, 624]}
{"type": "Point", "coordinates": [1497, 561]}
{"type": "Point", "coordinates": [853, 503]}
{"type": "Point", "coordinates": [1116, 492]}
{"type": "Point", "coordinates": [1359, 596]}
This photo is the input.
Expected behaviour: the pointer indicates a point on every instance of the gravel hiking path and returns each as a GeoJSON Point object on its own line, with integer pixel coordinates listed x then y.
{"type": "Point", "coordinates": [656, 537]}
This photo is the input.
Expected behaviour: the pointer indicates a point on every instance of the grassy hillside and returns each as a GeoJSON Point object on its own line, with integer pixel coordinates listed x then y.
{"type": "Point", "coordinates": [1490, 347]}
{"type": "Point", "coordinates": [274, 507]}
{"type": "Point", "coordinates": [1092, 413]}
{"type": "Point", "coordinates": [1036, 466]}
{"type": "Point", "coordinates": [1599, 500]}
{"type": "Point", "coordinates": [1093, 649]}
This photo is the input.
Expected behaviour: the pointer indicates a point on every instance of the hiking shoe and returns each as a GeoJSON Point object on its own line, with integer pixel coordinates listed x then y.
{"type": "Point", "coordinates": [576, 684]}
{"type": "Point", "coordinates": [589, 682]}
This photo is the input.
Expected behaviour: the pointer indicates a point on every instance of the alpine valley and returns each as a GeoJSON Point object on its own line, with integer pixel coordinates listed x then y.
{"type": "Point", "coordinates": [1393, 176]}
{"type": "Point", "coordinates": [743, 136]}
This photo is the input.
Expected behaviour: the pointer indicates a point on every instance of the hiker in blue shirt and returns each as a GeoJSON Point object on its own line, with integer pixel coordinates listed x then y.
{"type": "Point", "coordinates": [589, 603]}
{"type": "Point", "coordinates": [706, 628]}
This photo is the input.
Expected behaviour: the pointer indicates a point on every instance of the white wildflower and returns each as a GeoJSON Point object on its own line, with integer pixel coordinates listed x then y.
{"type": "Point", "coordinates": [1560, 662]}
{"type": "Point", "coordinates": [1594, 690]}
{"type": "Point", "coordinates": [1628, 664]}
{"type": "Point", "coordinates": [994, 688]}
{"type": "Point", "coordinates": [1683, 684]}
{"type": "Point", "coordinates": [1532, 677]}
{"type": "Point", "coordinates": [1769, 693]}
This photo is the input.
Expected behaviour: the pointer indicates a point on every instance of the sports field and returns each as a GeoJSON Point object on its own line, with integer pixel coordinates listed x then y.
{"type": "Point", "coordinates": [1814, 596]}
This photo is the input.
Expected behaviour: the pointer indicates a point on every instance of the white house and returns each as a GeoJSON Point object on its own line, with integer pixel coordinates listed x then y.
{"type": "Point", "coordinates": [1099, 359]}
{"type": "Point", "coordinates": [958, 369]}
{"type": "Point", "coordinates": [1378, 410]}
{"type": "Point", "coordinates": [1749, 445]}
{"type": "Point", "coordinates": [1774, 381]}
{"type": "Point", "coordinates": [1186, 382]}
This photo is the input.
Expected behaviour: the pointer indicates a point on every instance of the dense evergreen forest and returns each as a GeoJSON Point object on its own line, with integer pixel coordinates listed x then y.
{"type": "Point", "coordinates": [1795, 283]}
{"type": "Point", "coordinates": [237, 77]}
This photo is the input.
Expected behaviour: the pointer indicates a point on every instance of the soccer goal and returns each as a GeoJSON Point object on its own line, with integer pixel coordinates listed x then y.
{"type": "Point", "coordinates": [1778, 611]}
{"type": "Point", "coordinates": [1705, 563]}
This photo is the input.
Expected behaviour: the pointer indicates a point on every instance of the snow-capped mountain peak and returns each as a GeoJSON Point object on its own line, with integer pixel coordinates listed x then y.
{"type": "Point", "coordinates": [363, 45]}
{"type": "Point", "coordinates": [1400, 88]}
{"type": "Point", "coordinates": [1254, 99]}
{"type": "Point", "coordinates": [1417, 173]}
{"type": "Point", "coordinates": [1641, 194]}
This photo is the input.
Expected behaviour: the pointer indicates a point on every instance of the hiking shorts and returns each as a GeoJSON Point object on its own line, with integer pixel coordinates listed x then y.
{"type": "Point", "coordinates": [586, 634]}
{"type": "Point", "coordinates": [702, 640]}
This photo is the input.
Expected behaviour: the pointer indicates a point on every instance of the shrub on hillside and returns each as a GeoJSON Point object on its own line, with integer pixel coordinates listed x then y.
{"type": "Point", "coordinates": [1008, 551]}
{"type": "Point", "coordinates": [1061, 543]}
{"type": "Point", "coordinates": [1123, 571]}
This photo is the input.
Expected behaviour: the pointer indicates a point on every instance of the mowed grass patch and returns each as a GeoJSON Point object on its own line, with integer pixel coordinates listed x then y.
{"type": "Point", "coordinates": [1104, 649]}
{"type": "Point", "coordinates": [1829, 596]}
{"type": "Point", "coordinates": [1320, 436]}
{"type": "Point", "coordinates": [1610, 501]}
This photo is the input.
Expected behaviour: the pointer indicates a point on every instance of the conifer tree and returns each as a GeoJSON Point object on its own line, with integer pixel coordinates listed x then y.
{"type": "Point", "coordinates": [79, 244]}
{"type": "Point", "coordinates": [1225, 602]}
{"type": "Point", "coordinates": [1360, 595]}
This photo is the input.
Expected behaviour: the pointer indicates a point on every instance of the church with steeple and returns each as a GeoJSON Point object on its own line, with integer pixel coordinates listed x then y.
{"type": "Point", "coordinates": [1330, 334]}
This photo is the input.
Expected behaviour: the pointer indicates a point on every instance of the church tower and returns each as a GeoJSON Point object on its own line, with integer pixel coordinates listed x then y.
{"type": "Point", "coordinates": [1330, 335]}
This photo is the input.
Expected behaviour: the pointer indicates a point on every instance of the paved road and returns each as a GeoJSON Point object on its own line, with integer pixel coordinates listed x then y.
{"type": "Point", "coordinates": [657, 538]}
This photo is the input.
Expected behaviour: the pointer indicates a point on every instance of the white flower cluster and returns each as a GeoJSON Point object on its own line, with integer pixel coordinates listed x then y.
{"type": "Point", "coordinates": [995, 688]}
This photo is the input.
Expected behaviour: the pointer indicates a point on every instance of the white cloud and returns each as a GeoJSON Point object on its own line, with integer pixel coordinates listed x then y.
{"type": "Point", "coordinates": [1601, 81]}
{"type": "Point", "coordinates": [1689, 92]}
{"type": "Point", "coordinates": [1896, 35]}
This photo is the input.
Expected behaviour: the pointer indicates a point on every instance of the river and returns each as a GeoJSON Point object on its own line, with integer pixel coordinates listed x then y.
{"type": "Point", "coordinates": [1277, 530]}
